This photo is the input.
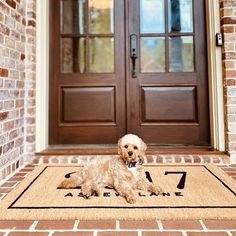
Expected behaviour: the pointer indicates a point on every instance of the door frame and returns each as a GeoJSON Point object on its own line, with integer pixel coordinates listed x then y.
{"type": "Point", "coordinates": [217, 129]}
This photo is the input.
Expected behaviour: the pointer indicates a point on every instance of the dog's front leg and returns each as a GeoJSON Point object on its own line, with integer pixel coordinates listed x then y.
{"type": "Point", "coordinates": [147, 186]}
{"type": "Point", "coordinates": [86, 189]}
{"type": "Point", "coordinates": [125, 190]}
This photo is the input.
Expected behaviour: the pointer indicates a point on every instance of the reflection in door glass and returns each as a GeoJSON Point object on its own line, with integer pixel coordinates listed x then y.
{"type": "Point", "coordinates": [152, 54]}
{"type": "Point", "coordinates": [181, 56]}
{"type": "Point", "coordinates": [152, 16]}
{"type": "Point", "coordinates": [72, 16]}
{"type": "Point", "coordinates": [180, 16]}
{"type": "Point", "coordinates": [101, 16]}
{"type": "Point", "coordinates": [101, 55]}
{"type": "Point", "coordinates": [72, 55]}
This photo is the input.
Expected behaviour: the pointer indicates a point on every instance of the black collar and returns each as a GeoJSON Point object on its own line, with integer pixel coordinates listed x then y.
{"type": "Point", "coordinates": [131, 164]}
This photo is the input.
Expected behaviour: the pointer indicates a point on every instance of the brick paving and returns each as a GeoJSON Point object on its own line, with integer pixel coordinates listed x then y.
{"type": "Point", "coordinates": [120, 227]}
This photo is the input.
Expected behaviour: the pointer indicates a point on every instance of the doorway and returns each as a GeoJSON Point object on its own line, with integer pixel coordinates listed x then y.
{"type": "Point", "coordinates": [132, 66]}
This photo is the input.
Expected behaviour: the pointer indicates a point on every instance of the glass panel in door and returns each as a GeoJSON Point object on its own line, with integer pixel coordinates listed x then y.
{"type": "Point", "coordinates": [87, 36]}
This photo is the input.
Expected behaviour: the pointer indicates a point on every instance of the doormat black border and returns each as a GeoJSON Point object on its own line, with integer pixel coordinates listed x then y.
{"type": "Point", "coordinates": [120, 207]}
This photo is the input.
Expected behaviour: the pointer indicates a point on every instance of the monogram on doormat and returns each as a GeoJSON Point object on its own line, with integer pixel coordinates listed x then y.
{"type": "Point", "coordinates": [190, 191]}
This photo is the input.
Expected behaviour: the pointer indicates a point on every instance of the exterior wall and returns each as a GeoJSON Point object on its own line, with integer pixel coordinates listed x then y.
{"type": "Point", "coordinates": [228, 27]}
{"type": "Point", "coordinates": [17, 83]}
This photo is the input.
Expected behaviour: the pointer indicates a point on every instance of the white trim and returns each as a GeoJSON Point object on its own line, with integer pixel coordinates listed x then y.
{"type": "Point", "coordinates": [215, 77]}
{"type": "Point", "coordinates": [42, 75]}
{"type": "Point", "coordinates": [214, 66]}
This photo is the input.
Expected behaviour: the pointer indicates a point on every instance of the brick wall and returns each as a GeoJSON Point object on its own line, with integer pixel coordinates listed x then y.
{"type": "Point", "coordinates": [17, 83]}
{"type": "Point", "coordinates": [228, 27]}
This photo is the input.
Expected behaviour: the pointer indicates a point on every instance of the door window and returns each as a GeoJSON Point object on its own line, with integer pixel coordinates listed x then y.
{"type": "Point", "coordinates": [87, 36]}
{"type": "Point", "coordinates": [167, 36]}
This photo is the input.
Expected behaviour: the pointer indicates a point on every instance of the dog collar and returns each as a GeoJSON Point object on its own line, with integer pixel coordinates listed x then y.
{"type": "Point", "coordinates": [131, 164]}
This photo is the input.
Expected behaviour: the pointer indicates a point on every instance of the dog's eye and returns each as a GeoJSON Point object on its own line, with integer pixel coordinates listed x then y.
{"type": "Point", "coordinates": [135, 147]}
{"type": "Point", "coordinates": [126, 146]}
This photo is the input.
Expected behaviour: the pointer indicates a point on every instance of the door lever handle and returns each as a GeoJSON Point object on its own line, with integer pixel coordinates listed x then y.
{"type": "Point", "coordinates": [133, 53]}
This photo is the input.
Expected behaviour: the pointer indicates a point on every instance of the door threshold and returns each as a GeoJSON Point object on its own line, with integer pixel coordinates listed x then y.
{"type": "Point", "coordinates": [111, 149]}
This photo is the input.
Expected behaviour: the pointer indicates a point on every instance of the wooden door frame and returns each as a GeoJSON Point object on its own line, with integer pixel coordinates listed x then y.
{"type": "Point", "coordinates": [214, 76]}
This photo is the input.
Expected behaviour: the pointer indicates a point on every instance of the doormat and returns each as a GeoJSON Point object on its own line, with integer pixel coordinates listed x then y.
{"type": "Point", "coordinates": [190, 191]}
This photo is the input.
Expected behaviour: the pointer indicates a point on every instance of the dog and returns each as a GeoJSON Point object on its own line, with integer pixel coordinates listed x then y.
{"type": "Point", "coordinates": [123, 173]}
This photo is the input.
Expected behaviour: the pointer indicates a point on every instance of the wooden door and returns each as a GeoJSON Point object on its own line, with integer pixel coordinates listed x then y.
{"type": "Point", "coordinates": [136, 66]}
{"type": "Point", "coordinates": [87, 80]}
{"type": "Point", "coordinates": [168, 100]}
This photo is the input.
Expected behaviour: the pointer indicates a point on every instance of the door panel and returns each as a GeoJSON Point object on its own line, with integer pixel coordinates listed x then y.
{"type": "Point", "coordinates": [158, 104]}
{"type": "Point", "coordinates": [87, 86]}
{"type": "Point", "coordinates": [168, 101]}
{"type": "Point", "coordinates": [76, 107]}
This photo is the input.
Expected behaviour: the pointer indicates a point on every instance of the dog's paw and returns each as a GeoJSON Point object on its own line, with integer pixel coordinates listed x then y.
{"type": "Point", "coordinates": [87, 193]}
{"type": "Point", "coordinates": [157, 189]}
{"type": "Point", "coordinates": [130, 199]}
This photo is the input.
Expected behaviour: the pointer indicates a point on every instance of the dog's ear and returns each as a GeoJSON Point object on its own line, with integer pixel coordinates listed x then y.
{"type": "Point", "coordinates": [143, 146]}
{"type": "Point", "coordinates": [119, 147]}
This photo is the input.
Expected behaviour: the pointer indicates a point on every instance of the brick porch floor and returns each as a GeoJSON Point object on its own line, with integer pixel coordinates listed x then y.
{"type": "Point", "coordinates": [116, 227]}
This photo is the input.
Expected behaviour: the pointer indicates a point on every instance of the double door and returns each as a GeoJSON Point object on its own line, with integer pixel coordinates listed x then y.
{"type": "Point", "coordinates": [134, 66]}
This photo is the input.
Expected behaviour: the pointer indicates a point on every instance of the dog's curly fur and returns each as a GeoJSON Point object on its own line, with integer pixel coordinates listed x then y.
{"type": "Point", "coordinates": [124, 174]}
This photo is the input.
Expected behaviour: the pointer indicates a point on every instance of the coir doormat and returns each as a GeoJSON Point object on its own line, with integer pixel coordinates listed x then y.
{"type": "Point", "coordinates": [190, 192]}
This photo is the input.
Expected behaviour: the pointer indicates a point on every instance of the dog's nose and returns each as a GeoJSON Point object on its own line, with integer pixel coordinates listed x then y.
{"type": "Point", "coordinates": [130, 153]}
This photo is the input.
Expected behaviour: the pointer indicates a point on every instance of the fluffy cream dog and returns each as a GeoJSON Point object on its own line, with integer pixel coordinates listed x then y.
{"type": "Point", "coordinates": [124, 174]}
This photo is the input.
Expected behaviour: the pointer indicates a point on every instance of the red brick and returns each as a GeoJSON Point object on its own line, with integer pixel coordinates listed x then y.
{"type": "Point", "coordinates": [149, 159]}
{"type": "Point", "coordinates": [11, 3]}
{"type": "Point", "coordinates": [5, 190]}
{"type": "Point", "coordinates": [8, 125]}
{"type": "Point", "coordinates": [229, 55]}
{"type": "Point", "coordinates": [3, 72]}
{"type": "Point", "coordinates": [55, 224]}
{"type": "Point", "coordinates": [132, 224]}
{"type": "Point", "coordinates": [153, 233]}
{"type": "Point", "coordinates": [81, 233]}
{"type": "Point", "coordinates": [31, 23]}
{"type": "Point", "coordinates": [28, 234]}
{"type": "Point", "coordinates": [228, 20]}
{"type": "Point", "coordinates": [16, 178]}
{"type": "Point", "coordinates": [177, 159]}
{"type": "Point", "coordinates": [27, 169]}
{"type": "Point", "coordinates": [3, 115]}
{"type": "Point", "coordinates": [16, 224]}
{"type": "Point", "coordinates": [9, 184]}
{"type": "Point", "coordinates": [97, 224]}
{"type": "Point", "coordinates": [22, 56]}
{"type": "Point", "coordinates": [228, 29]}
{"type": "Point", "coordinates": [7, 147]}
{"type": "Point", "coordinates": [21, 174]}
{"type": "Point", "coordinates": [1, 17]}
{"type": "Point", "coordinates": [207, 234]}
{"type": "Point", "coordinates": [4, 29]}
{"type": "Point", "coordinates": [196, 159]}
{"type": "Point", "coordinates": [230, 73]}
{"type": "Point", "coordinates": [230, 82]}
{"type": "Point", "coordinates": [159, 159]}
{"type": "Point", "coordinates": [220, 224]}
{"type": "Point", "coordinates": [181, 224]}
{"type": "Point", "coordinates": [123, 233]}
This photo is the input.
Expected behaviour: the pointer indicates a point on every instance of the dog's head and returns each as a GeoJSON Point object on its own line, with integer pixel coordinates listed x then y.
{"type": "Point", "coordinates": [131, 148]}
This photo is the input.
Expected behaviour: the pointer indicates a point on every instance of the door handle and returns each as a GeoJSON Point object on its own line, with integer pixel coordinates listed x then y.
{"type": "Point", "coordinates": [133, 53]}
